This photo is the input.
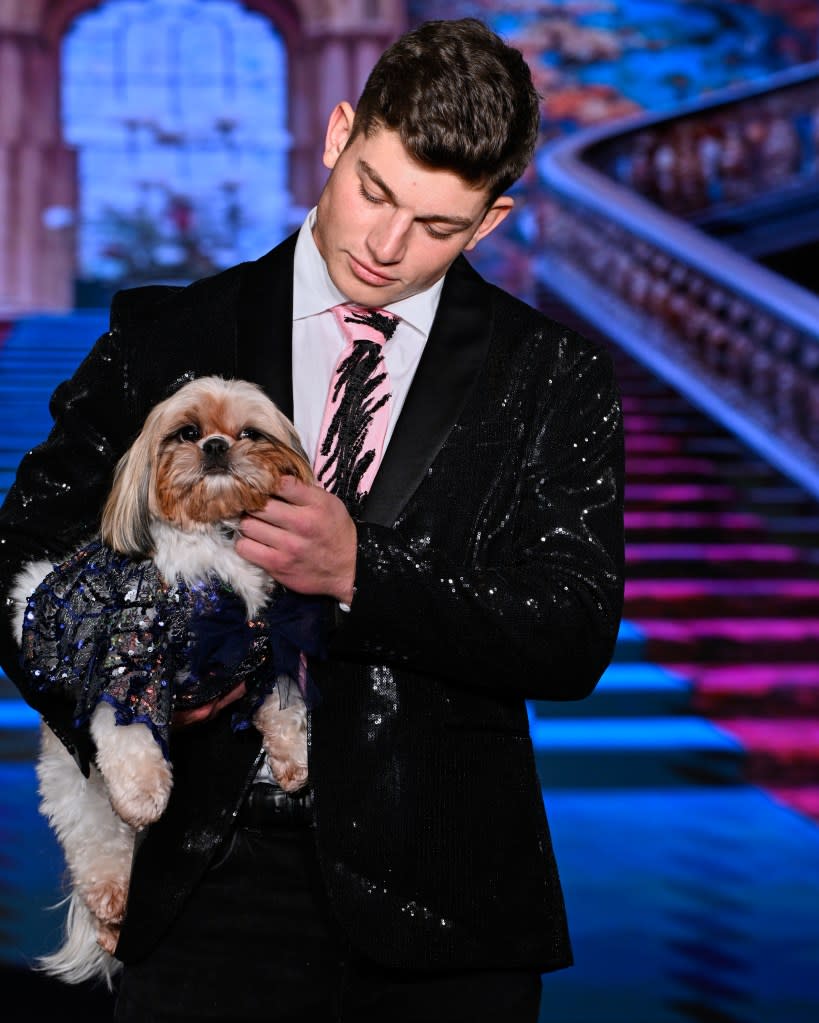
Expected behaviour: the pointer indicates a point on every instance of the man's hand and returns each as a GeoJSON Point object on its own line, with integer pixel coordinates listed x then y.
{"type": "Point", "coordinates": [305, 539]}
{"type": "Point", "coordinates": [181, 718]}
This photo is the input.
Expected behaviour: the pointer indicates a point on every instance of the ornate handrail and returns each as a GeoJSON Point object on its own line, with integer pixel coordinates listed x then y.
{"type": "Point", "coordinates": [738, 339]}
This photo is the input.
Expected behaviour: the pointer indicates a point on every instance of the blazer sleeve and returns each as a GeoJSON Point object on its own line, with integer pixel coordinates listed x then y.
{"type": "Point", "coordinates": [539, 619]}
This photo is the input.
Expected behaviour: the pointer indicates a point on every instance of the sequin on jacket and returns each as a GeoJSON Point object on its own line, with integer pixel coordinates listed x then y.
{"type": "Point", "coordinates": [489, 572]}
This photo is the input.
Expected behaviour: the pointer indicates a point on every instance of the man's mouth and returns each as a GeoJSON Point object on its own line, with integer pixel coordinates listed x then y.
{"type": "Point", "coordinates": [369, 275]}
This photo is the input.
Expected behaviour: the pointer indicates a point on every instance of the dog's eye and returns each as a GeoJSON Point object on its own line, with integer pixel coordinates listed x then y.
{"type": "Point", "coordinates": [189, 434]}
{"type": "Point", "coordinates": [250, 434]}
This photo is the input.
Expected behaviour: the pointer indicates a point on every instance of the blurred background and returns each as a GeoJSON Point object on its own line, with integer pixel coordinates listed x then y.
{"type": "Point", "coordinates": [671, 213]}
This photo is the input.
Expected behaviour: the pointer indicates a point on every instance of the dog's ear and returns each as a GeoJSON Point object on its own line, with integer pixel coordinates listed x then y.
{"type": "Point", "coordinates": [126, 517]}
{"type": "Point", "coordinates": [296, 445]}
{"type": "Point", "coordinates": [287, 431]}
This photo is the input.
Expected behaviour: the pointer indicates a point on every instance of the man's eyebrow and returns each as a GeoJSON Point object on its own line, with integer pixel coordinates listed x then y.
{"type": "Point", "coordinates": [433, 218]}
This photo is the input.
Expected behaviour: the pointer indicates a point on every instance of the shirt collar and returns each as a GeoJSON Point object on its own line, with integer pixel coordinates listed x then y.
{"type": "Point", "coordinates": [314, 291]}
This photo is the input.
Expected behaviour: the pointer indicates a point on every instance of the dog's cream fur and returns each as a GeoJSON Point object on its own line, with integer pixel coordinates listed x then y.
{"type": "Point", "coordinates": [179, 505]}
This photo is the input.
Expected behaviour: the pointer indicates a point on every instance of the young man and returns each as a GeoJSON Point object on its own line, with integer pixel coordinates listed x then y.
{"type": "Point", "coordinates": [414, 879]}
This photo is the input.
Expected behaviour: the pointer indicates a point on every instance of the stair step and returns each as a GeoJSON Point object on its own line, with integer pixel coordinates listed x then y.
{"type": "Point", "coordinates": [704, 526]}
{"type": "Point", "coordinates": [720, 449]}
{"type": "Point", "coordinates": [32, 412]}
{"type": "Point", "coordinates": [598, 753]}
{"type": "Point", "coordinates": [770, 501]}
{"type": "Point", "coordinates": [802, 798]}
{"type": "Point", "coordinates": [696, 598]}
{"type": "Point", "coordinates": [715, 496]}
{"type": "Point", "coordinates": [38, 365]}
{"type": "Point", "coordinates": [39, 393]}
{"type": "Point", "coordinates": [626, 689]}
{"type": "Point", "coordinates": [687, 466]}
{"type": "Point", "coordinates": [768, 690]}
{"type": "Point", "coordinates": [23, 440]}
{"type": "Point", "coordinates": [689, 425]}
{"type": "Point", "coordinates": [730, 640]}
{"type": "Point", "coordinates": [684, 521]}
{"type": "Point", "coordinates": [785, 497]}
{"type": "Point", "coordinates": [637, 385]}
{"type": "Point", "coordinates": [661, 467]}
{"type": "Point", "coordinates": [709, 526]}
{"type": "Point", "coordinates": [782, 751]}
{"type": "Point", "coordinates": [8, 691]}
{"type": "Point", "coordinates": [630, 644]}
{"type": "Point", "coordinates": [669, 404]}
{"type": "Point", "coordinates": [59, 327]}
{"type": "Point", "coordinates": [19, 731]}
{"type": "Point", "coordinates": [719, 446]}
{"type": "Point", "coordinates": [6, 480]}
{"type": "Point", "coordinates": [729, 560]}
{"type": "Point", "coordinates": [654, 443]}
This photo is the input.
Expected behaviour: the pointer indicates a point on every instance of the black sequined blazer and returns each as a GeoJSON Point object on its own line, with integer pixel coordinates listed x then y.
{"type": "Point", "coordinates": [489, 571]}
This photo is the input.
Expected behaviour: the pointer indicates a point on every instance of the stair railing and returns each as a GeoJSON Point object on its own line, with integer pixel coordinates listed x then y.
{"type": "Point", "coordinates": [622, 239]}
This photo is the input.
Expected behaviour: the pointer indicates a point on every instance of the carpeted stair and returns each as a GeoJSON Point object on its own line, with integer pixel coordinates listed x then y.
{"type": "Point", "coordinates": [36, 354]}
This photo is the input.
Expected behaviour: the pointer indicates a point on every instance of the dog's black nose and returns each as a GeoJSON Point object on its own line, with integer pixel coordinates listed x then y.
{"type": "Point", "coordinates": [215, 447]}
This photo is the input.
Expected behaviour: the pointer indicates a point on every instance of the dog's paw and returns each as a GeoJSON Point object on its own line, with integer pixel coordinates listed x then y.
{"type": "Point", "coordinates": [290, 774]}
{"type": "Point", "coordinates": [107, 936]}
{"type": "Point", "coordinates": [140, 797]}
{"type": "Point", "coordinates": [106, 899]}
{"type": "Point", "coordinates": [284, 736]}
{"type": "Point", "coordinates": [136, 773]}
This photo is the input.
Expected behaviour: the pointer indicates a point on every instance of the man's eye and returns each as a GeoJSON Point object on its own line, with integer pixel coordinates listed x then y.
{"type": "Point", "coordinates": [188, 434]}
{"type": "Point", "coordinates": [249, 433]}
{"type": "Point", "coordinates": [366, 195]}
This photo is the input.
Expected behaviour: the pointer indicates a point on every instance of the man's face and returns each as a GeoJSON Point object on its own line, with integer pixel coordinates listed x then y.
{"type": "Point", "coordinates": [387, 226]}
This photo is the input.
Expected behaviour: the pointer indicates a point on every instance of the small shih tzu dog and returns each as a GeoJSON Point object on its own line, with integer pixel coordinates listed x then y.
{"type": "Point", "coordinates": [157, 614]}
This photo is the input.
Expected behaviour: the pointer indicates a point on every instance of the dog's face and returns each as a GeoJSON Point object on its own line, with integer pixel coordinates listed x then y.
{"type": "Point", "coordinates": [212, 451]}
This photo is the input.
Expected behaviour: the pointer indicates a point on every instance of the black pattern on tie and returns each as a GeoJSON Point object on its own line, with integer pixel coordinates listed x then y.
{"type": "Point", "coordinates": [357, 377]}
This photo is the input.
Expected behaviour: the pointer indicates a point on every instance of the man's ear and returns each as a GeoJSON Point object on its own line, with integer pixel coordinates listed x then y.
{"type": "Point", "coordinates": [339, 127]}
{"type": "Point", "coordinates": [495, 215]}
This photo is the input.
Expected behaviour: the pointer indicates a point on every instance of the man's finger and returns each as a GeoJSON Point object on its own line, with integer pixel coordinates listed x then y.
{"type": "Point", "coordinates": [181, 718]}
{"type": "Point", "coordinates": [293, 491]}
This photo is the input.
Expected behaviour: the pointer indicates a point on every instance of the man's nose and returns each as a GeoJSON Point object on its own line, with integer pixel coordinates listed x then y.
{"type": "Point", "coordinates": [387, 240]}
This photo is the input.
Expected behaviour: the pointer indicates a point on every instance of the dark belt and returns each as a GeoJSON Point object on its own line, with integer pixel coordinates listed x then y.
{"type": "Point", "coordinates": [267, 806]}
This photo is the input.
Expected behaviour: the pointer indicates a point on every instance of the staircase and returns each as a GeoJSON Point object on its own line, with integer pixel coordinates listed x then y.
{"type": "Point", "coordinates": [716, 676]}
{"type": "Point", "coordinates": [724, 584]}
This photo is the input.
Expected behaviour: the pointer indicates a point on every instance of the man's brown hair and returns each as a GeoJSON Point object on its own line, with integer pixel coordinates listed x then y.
{"type": "Point", "coordinates": [460, 99]}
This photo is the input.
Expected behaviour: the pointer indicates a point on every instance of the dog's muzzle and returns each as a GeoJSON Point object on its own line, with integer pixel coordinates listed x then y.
{"type": "Point", "coordinates": [215, 454]}
{"type": "Point", "coordinates": [268, 806]}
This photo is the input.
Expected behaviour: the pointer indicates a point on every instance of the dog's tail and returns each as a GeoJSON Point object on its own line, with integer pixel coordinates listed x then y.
{"type": "Point", "coordinates": [80, 958]}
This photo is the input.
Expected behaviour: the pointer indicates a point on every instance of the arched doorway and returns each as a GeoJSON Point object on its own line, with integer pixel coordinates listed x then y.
{"type": "Point", "coordinates": [328, 48]}
{"type": "Point", "coordinates": [177, 110]}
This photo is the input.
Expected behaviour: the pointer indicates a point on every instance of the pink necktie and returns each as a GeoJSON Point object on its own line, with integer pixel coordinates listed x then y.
{"type": "Point", "coordinates": [357, 411]}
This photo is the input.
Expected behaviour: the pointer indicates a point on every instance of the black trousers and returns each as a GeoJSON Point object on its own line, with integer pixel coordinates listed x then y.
{"type": "Point", "coordinates": [256, 941]}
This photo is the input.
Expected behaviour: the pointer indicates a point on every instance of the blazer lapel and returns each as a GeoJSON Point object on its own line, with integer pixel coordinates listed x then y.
{"type": "Point", "coordinates": [265, 316]}
{"type": "Point", "coordinates": [452, 358]}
